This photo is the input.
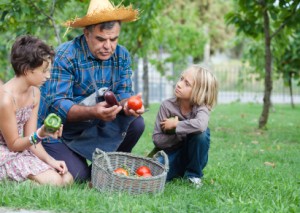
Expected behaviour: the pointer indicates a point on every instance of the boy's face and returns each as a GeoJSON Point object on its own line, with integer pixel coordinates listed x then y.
{"type": "Point", "coordinates": [184, 86]}
{"type": "Point", "coordinates": [102, 44]}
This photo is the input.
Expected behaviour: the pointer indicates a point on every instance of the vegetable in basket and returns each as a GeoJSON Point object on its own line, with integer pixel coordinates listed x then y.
{"type": "Point", "coordinates": [121, 171]}
{"type": "Point", "coordinates": [143, 171]}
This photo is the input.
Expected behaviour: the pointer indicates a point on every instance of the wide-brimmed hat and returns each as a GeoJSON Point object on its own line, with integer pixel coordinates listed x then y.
{"type": "Point", "coordinates": [102, 11]}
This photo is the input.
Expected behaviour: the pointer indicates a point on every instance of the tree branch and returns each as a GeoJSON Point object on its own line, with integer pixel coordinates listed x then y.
{"type": "Point", "coordinates": [53, 8]}
{"type": "Point", "coordinates": [49, 17]}
{"type": "Point", "coordinates": [280, 27]}
{"type": "Point", "coordinates": [284, 22]}
{"type": "Point", "coordinates": [41, 11]}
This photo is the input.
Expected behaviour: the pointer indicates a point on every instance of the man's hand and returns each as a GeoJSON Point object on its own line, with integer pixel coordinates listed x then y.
{"type": "Point", "coordinates": [131, 112]}
{"type": "Point", "coordinates": [105, 112]}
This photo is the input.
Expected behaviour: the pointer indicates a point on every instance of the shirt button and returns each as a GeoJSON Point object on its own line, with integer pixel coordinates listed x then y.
{"type": "Point", "coordinates": [123, 134]}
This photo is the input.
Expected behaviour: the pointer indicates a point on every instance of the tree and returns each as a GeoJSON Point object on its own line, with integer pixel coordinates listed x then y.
{"type": "Point", "coordinates": [264, 19]}
{"type": "Point", "coordinates": [39, 18]}
{"type": "Point", "coordinates": [288, 64]}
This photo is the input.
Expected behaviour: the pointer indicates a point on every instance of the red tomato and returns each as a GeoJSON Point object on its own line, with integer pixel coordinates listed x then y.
{"type": "Point", "coordinates": [121, 171]}
{"type": "Point", "coordinates": [147, 175]}
{"type": "Point", "coordinates": [135, 103]}
{"type": "Point", "coordinates": [143, 171]}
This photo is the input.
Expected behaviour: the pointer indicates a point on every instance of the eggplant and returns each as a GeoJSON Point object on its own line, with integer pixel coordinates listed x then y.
{"type": "Point", "coordinates": [110, 98]}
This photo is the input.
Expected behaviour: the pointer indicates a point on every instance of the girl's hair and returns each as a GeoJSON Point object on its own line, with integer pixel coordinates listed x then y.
{"type": "Point", "coordinates": [205, 88]}
{"type": "Point", "coordinates": [29, 52]}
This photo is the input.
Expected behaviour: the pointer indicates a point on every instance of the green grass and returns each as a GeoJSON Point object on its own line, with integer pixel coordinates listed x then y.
{"type": "Point", "coordinates": [249, 170]}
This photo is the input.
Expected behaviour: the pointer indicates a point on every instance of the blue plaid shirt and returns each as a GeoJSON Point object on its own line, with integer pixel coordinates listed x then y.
{"type": "Point", "coordinates": [73, 68]}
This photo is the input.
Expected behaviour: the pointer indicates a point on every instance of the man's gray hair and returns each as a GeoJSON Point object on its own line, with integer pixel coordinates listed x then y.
{"type": "Point", "coordinates": [103, 26]}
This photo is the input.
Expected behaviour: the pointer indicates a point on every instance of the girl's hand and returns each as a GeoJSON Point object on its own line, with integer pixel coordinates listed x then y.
{"type": "Point", "coordinates": [169, 124]}
{"type": "Point", "coordinates": [43, 133]}
{"type": "Point", "coordinates": [60, 166]}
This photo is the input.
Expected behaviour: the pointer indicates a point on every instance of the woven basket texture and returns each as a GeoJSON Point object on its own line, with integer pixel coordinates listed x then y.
{"type": "Point", "coordinates": [105, 179]}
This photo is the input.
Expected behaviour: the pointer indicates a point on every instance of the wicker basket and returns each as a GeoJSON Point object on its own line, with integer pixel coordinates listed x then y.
{"type": "Point", "coordinates": [105, 179]}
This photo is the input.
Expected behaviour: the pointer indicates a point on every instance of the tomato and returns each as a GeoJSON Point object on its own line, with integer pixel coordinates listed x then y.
{"type": "Point", "coordinates": [121, 171]}
{"type": "Point", "coordinates": [135, 103]}
{"type": "Point", "coordinates": [143, 171]}
{"type": "Point", "coordinates": [147, 175]}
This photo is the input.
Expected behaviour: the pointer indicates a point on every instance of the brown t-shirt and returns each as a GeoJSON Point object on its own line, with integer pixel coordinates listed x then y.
{"type": "Point", "coordinates": [195, 121]}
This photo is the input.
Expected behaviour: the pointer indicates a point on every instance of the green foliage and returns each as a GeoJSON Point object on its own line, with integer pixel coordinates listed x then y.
{"type": "Point", "coordinates": [288, 64]}
{"type": "Point", "coordinates": [183, 35]}
{"type": "Point", "coordinates": [138, 36]}
{"type": "Point", "coordinates": [247, 16]}
{"type": "Point", "coordinates": [43, 19]}
{"type": "Point", "coordinates": [249, 170]}
{"type": "Point", "coordinates": [284, 18]}
{"type": "Point", "coordinates": [164, 26]}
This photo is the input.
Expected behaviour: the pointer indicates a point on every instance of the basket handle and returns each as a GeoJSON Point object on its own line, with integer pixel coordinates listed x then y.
{"type": "Point", "coordinates": [166, 159]}
{"type": "Point", "coordinates": [98, 153]}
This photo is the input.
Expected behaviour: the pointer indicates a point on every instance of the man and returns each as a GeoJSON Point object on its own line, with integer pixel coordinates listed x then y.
{"type": "Point", "coordinates": [83, 68]}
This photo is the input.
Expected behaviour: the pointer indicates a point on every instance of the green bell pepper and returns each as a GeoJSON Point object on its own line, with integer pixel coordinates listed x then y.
{"type": "Point", "coordinates": [52, 123]}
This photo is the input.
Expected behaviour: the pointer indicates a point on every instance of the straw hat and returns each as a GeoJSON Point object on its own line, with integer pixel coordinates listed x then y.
{"type": "Point", "coordinates": [102, 11]}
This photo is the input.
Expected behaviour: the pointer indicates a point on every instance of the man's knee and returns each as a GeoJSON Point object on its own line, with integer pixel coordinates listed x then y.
{"type": "Point", "coordinates": [81, 171]}
{"type": "Point", "coordinates": [138, 125]}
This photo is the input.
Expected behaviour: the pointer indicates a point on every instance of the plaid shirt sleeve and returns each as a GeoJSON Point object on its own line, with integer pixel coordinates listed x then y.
{"type": "Point", "coordinates": [59, 92]}
{"type": "Point", "coordinates": [123, 77]}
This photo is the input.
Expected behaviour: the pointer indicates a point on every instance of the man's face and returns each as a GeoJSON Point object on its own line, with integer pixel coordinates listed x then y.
{"type": "Point", "coordinates": [102, 44]}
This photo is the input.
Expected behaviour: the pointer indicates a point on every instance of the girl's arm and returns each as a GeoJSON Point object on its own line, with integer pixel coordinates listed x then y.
{"type": "Point", "coordinates": [197, 123]}
{"type": "Point", "coordinates": [8, 125]}
{"type": "Point", "coordinates": [41, 153]}
{"type": "Point", "coordinates": [38, 149]}
{"type": "Point", "coordinates": [161, 139]}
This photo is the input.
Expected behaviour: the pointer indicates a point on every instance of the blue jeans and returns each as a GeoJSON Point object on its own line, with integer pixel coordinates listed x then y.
{"type": "Point", "coordinates": [191, 158]}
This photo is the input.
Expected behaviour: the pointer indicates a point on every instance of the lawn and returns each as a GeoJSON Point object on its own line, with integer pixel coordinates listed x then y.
{"type": "Point", "coordinates": [249, 170]}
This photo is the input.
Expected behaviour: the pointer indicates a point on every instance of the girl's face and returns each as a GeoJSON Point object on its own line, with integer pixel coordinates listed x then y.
{"type": "Point", "coordinates": [184, 86]}
{"type": "Point", "coordinates": [41, 74]}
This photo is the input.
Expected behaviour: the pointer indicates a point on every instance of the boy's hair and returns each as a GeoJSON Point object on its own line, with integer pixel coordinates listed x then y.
{"type": "Point", "coordinates": [205, 88]}
{"type": "Point", "coordinates": [29, 52]}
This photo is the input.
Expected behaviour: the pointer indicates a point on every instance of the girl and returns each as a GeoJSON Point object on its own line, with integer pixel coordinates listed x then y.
{"type": "Point", "coordinates": [181, 127]}
{"type": "Point", "coordinates": [21, 155]}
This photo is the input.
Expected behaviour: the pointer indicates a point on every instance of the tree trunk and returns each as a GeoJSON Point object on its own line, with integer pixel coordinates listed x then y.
{"type": "Point", "coordinates": [268, 75]}
{"type": "Point", "coordinates": [291, 89]}
{"type": "Point", "coordinates": [145, 82]}
{"type": "Point", "coordinates": [56, 30]}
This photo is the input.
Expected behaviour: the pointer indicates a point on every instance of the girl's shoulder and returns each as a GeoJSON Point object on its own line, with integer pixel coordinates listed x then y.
{"type": "Point", "coordinates": [36, 93]}
{"type": "Point", "coordinates": [197, 108]}
{"type": "Point", "coordinates": [170, 101]}
{"type": "Point", "coordinates": [6, 101]}
{"type": "Point", "coordinates": [170, 105]}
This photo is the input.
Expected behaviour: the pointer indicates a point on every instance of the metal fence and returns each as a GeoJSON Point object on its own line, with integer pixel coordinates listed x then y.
{"type": "Point", "coordinates": [234, 85]}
